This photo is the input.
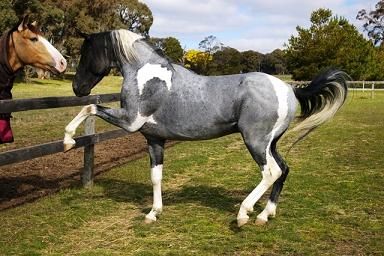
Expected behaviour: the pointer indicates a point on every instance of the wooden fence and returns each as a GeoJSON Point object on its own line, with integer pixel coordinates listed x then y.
{"type": "Point", "coordinates": [87, 141]}
{"type": "Point", "coordinates": [90, 138]}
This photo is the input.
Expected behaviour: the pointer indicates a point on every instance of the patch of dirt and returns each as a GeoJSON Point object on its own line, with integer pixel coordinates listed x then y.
{"type": "Point", "coordinates": [27, 181]}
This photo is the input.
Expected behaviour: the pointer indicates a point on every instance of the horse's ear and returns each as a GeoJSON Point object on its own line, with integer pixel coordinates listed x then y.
{"type": "Point", "coordinates": [24, 23]}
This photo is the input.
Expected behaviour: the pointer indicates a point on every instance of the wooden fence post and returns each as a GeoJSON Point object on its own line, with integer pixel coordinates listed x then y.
{"type": "Point", "coordinates": [89, 154]}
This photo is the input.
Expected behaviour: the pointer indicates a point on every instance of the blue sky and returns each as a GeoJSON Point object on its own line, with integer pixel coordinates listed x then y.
{"type": "Point", "coordinates": [260, 25]}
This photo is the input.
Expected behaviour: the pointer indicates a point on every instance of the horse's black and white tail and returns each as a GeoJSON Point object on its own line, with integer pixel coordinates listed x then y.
{"type": "Point", "coordinates": [320, 100]}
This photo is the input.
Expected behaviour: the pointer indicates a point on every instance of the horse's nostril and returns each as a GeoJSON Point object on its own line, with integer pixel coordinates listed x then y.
{"type": "Point", "coordinates": [63, 62]}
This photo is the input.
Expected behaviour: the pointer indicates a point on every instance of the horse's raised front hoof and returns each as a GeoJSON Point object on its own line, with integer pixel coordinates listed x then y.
{"type": "Point", "coordinates": [242, 221]}
{"type": "Point", "coordinates": [260, 222]}
{"type": "Point", "coordinates": [149, 219]}
{"type": "Point", "coordinates": [69, 145]}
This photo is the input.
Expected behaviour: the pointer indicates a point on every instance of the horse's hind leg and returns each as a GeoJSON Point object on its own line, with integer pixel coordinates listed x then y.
{"type": "Point", "coordinates": [156, 154]}
{"type": "Point", "coordinates": [270, 208]}
{"type": "Point", "coordinates": [270, 170]}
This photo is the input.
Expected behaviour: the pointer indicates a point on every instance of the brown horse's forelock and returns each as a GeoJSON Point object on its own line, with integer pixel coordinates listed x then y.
{"type": "Point", "coordinates": [34, 29]}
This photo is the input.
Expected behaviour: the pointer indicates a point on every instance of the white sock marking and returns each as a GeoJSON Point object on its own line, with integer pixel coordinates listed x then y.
{"type": "Point", "coordinates": [156, 177]}
{"type": "Point", "coordinates": [269, 210]}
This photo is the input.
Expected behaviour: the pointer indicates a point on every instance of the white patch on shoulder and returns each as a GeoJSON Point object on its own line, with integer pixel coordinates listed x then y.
{"type": "Point", "coordinates": [150, 71]}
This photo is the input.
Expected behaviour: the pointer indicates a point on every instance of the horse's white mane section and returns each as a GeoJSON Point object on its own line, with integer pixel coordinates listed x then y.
{"type": "Point", "coordinates": [123, 40]}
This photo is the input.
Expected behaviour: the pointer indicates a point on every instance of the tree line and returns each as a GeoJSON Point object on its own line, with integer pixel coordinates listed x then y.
{"type": "Point", "coordinates": [330, 40]}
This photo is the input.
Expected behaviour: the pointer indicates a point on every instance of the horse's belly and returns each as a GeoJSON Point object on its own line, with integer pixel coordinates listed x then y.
{"type": "Point", "coordinates": [190, 131]}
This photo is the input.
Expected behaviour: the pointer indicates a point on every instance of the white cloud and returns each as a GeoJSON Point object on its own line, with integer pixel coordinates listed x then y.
{"type": "Point", "coordinates": [186, 16]}
{"type": "Point", "coordinates": [243, 24]}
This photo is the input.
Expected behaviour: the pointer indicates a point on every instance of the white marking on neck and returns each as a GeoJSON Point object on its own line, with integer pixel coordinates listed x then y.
{"type": "Point", "coordinates": [150, 71]}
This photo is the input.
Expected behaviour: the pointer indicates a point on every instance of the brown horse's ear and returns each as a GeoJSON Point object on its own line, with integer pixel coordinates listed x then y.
{"type": "Point", "coordinates": [24, 23]}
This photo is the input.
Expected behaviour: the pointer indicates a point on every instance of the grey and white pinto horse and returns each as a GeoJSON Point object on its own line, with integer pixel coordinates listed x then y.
{"type": "Point", "coordinates": [166, 101]}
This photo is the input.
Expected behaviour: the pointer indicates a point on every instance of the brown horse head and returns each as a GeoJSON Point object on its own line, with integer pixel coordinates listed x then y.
{"type": "Point", "coordinates": [28, 47]}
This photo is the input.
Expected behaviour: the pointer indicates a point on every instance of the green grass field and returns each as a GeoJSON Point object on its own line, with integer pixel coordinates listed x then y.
{"type": "Point", "coordinates": [332, 203]}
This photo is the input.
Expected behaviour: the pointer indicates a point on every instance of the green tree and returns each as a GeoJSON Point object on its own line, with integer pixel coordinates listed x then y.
{"type": "Point", "coordinates": [226, 61]}
{"type": "Point", "coordinates": [374, 22]}
{"type": "Point", "coordinates": [274, 63]}
{"type": "Point", "coordinates": [209, 45]}
{"type": "Point", "coordinates": [171, 48]}
{"type": "Point", "coordinates": [8, 17]}
{"type": "Point", "coordinates": [33, 7]}
{"type": "Point", "coordinates": [135, 15]}
{"type": "Point", "coordinates": [329, 42]}
{"type": "Point", "coordinates": [251, 61]}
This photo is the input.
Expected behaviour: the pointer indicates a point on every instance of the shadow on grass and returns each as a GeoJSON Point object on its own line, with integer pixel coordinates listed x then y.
{"type": "Point", "coordinates": [141, 194]}
{"type": "Point", "coordinates": [15, 191]}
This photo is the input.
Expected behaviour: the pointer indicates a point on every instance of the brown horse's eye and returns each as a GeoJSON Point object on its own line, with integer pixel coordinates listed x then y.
{"type": "Point", "coordinates": [33, 39]}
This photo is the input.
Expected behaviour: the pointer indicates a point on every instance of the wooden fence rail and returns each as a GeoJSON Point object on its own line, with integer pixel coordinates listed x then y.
{"type": "Point", "coordinates": [9, 106]}
{"type": "Point", "coordinates": [87, 141]}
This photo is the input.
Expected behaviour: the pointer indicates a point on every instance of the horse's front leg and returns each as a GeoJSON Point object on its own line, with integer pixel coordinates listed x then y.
{"type": "Point", "coordinates": [114, 116]}
{"type": "Point", "coordinates": [156, 154]}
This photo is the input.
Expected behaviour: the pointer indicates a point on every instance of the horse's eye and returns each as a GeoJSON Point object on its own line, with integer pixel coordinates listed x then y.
{"type": "Point", "coordinates": [33, 39]}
